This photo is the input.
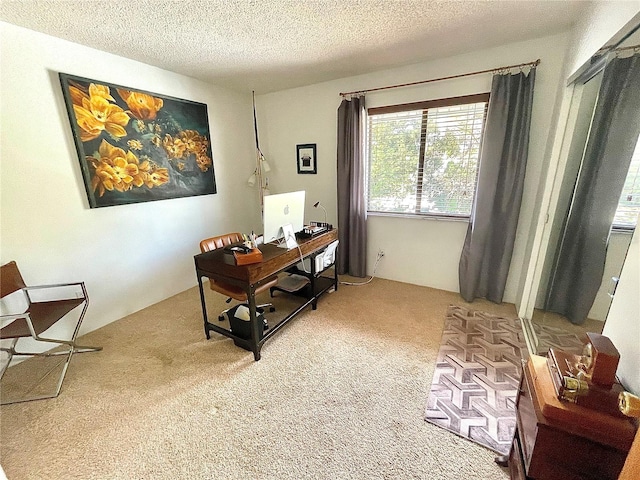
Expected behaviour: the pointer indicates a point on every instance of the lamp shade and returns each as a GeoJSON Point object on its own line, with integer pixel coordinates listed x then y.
{"type": "Point", "coordinates": [318, 204]}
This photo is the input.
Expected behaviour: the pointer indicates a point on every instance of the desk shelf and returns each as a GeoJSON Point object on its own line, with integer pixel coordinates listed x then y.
{"type": "Point", "coordinates": [322, 284]}
{"type": "Point", "coordinates": [317, 283]}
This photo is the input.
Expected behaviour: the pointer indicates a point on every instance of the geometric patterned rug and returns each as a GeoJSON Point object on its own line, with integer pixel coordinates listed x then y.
{"type": "Point", "coordinates": [549, 336]}
{"type": "Point", "coordinates": [476, 378]}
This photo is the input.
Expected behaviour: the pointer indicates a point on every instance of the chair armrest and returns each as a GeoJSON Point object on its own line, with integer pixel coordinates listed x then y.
{"type": "Point", "coordinates": [56, 291]}
{"type": "Point", "coordinates": [53, 285]}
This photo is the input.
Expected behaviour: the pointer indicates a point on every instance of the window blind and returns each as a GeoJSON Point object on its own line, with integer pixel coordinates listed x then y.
{"type": "Point", "coordinates": [425, 161]}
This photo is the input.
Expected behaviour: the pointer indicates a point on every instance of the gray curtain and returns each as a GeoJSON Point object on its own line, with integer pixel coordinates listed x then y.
{"type": "Point", "coordinates": [488, 246]}
{"type": "Point", "coordinates": [582, 248]}
{"type": "Point", "coordinates": [352, 207]}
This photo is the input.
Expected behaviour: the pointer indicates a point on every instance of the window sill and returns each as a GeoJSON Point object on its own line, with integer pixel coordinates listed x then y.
{"type": "Point", "coordinates": [623, 230]}
{"type": "Point", "coordinates": [413, 216]}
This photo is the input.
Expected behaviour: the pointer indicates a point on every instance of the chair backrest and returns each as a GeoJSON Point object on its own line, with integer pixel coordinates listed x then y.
{"type": "Point", "coordinates": [329, 255]}
{"type": "Point", "coordinates": [10, 279]}
{"type": "Point", "coordinates": [220, 241]}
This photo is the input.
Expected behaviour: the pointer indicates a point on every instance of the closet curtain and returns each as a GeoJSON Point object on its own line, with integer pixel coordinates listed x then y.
{"type": "Point", "coordinates": [582, 248]}
{"type": "Point", "coordinates": [488, 246]}
{"type": "Point", "coordinates": [352, 207]}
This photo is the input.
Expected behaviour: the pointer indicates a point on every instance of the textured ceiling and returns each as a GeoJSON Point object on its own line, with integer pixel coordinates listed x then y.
{"type": "Point", "coordinates": [269, 45]}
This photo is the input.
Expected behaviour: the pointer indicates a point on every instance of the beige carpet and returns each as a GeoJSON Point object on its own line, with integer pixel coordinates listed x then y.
{"type": "Point", "coordinates": [339, 394]}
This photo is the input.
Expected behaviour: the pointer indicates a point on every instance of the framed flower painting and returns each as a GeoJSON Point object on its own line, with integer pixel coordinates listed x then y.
{"type": "Point", "coordinates": [135, 146]}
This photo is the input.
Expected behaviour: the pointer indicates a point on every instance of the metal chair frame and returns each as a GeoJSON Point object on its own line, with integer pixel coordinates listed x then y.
{"type": "Point", "coordinates": [73, 347]}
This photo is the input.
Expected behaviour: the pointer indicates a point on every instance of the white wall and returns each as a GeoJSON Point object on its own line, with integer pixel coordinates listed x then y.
{"type": "Point", "coordinates": [130, 256]}
{"type": "Point", "coordinates": [424, 252]}
{"type": "Point", "coordinates": [623, 322]}
{"type": "Point", "coordinates": [584, 101]}
{"type": "Point", "coordinates": [616, 254]}
{"type": "Point", "coordinates": [597, 26]}
{"type": "Point", "coordinates": [601, 23]}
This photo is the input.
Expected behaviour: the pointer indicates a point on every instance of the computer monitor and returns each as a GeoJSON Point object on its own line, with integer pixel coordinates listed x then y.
{"type": "Point", "coordinates": [280, 210]}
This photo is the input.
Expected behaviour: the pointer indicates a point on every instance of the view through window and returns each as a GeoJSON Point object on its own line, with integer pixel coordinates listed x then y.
{"type": "Point", "coordinates": [629, 204]}
{"type": "Point", "coordinates": [423, 157]}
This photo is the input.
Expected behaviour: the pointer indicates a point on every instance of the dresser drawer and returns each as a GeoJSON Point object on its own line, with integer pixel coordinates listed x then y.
{"type": "Point", "coordinates": [526, 421]}
{"type": "Point", "coordinates": [549, 452]}
{"type": "Point", "coordinates": [516, 465]}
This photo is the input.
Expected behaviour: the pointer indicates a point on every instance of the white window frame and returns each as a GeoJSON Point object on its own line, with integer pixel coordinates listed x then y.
{"type": "Point", "coordinates": [634, 172]}
{"type": "Point", "coordinates": [425, 105]}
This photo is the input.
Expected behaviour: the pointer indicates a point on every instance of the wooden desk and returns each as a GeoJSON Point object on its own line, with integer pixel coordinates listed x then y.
{"type": "Point", "coordinates": [249, 277]}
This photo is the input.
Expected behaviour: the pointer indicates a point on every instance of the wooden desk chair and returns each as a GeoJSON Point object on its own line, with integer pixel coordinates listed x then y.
{"type": "Point", "coordinates": [39, 307]}
{"type": "Point", "coordinates": [227, 289]}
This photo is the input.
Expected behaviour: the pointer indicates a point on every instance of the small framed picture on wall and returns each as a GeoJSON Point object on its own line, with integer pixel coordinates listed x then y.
{"type": "Point", "coordinates": [307, 158]}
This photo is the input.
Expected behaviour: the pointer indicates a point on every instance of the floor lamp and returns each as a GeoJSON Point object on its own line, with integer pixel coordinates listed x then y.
{"type": "Point", "coordinates": [258, 176]}
{"type": "Point", "coordinates": [262, 166]}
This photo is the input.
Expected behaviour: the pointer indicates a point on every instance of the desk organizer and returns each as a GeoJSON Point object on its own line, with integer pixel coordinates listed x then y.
{"type": "Point", "coordinates": [314, 229]}
{"type": "Point", "coordinates": [255, 256]}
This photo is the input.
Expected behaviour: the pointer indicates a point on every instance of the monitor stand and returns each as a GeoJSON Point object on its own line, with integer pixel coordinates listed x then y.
{"type": "Point", "coordinates": [288, 239]}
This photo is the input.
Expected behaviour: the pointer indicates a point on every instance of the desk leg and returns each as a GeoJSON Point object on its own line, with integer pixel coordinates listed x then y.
{"type": "Point", "coordinates": [253, 320]}
{"type": "Point", "coordinates": [204, 309]}
{"type": "Point", "coordinates": [314, 304]}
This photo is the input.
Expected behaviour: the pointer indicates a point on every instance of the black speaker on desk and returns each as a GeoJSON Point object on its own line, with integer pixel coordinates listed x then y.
{"type": "Point", "coordinates": [313, 229]}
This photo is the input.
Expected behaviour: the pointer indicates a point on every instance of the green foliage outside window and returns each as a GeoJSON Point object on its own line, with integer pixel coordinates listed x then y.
{"type": "Point", "coordinates": [444, 184]}
{"type": "Point", "coordinates": [629, 204]}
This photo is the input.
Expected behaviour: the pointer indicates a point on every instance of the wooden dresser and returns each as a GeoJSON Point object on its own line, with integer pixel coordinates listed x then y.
{"type": "Point", "coordinates": [557, 440]}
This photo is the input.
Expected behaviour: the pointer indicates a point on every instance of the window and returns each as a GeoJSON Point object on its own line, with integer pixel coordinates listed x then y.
{"type": "Point", "coordinates": [629, 204]}
{"type": "Point", "coordinates": [423, 157]}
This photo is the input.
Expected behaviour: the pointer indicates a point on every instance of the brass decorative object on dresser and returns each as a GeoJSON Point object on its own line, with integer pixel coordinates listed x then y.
{"type": "Point", "coordinates": [561, 440]}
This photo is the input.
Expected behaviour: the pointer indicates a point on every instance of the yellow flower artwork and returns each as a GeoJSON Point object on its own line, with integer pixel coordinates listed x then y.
{"type": "Point", "coordinates": [136, 146]}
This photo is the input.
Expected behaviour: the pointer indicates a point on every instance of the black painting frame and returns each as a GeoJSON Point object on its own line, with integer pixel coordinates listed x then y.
{"type": "Point", "coordinates": [137, 146]}
{"type": "Point", "coordinates": [306, 158]}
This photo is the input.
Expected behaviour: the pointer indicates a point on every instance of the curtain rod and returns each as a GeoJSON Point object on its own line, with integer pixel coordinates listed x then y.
{"type": "Point", "coordinates": [605, 50]}
{"type": "Point", "coordinates": [632, 47]}
{"type": "Point", "coordinates": [532, 64]}
{"type": "Point", "coordinates": [596, 63]}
